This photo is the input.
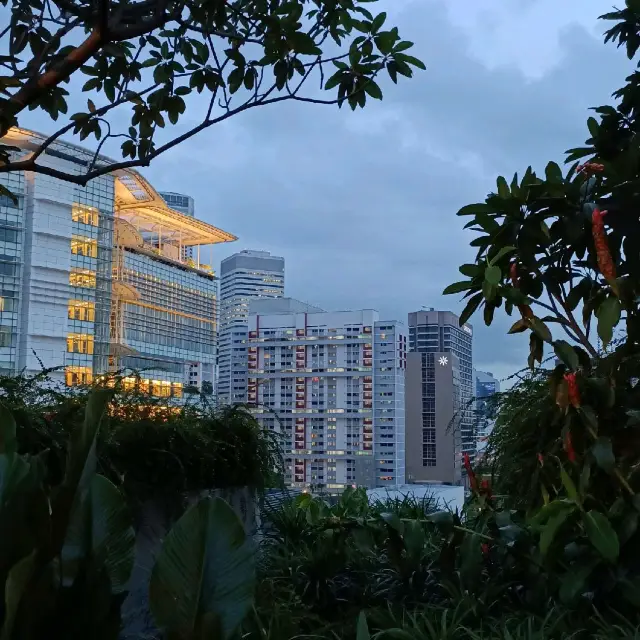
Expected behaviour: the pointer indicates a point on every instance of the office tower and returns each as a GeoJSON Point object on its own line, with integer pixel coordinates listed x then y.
{"type": "Point", "coordinates": [244, 276]}
{"type": "Point", "coordinates": [333, 384]}
{"type": "Point", "coordinates": [179, 202]}
{"type": "Point", "coordinates": [486, 386]}
{"type": "Point", "coordinates": [93, 278]}
{"type": "Point", "coordinates": [439, 392]}
{"type": "Point", "coordinates": [184, 204]}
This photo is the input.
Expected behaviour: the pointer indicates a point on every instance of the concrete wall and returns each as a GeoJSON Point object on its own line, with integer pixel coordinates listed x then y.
{"type": "Point", "coordinates": [448, 467]}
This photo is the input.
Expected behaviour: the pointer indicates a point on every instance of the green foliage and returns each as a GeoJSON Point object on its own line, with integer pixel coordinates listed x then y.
{"type": "Point", "coordinates": [143, 444]}
{"type": "Point", "coordinates": [143, 63]}
{"type": "Point", "coordinates": [561, 249]}
{"type": "Point", "coordinates": [67, 550]}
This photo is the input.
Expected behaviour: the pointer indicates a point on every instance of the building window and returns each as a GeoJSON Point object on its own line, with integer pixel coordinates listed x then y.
{"type": "Point", "coordinates": [5, 336]}
{"type": "Point", "coordinates": [83, 246]}
{"type": "Point", "coordinates": [79, 343]}
{"type": "Point", "coordinates": [85, 214]}
{"type": "Point", "coordinates": [82, 310]}
{"type": "Point", "coordinates": [77, 375]}
{"type": "Point", "coordinates": [82, 278]}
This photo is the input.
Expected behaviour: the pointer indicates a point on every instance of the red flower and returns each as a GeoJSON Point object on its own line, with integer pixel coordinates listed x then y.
{"type": "Point", "coordinates": [568, 447]}
{"type": "Point", "coordinates": [589, 168]}
{"type": "Point", "coordinates": [605, 262]}
{"type": "Point", "coordinates": [573, 392]}
{"type": "Point", "coordinates": [485, 549]}
{"type": "Point", "coordinates": [540, 459]}
{"type": "Point", "coordinates": [514, 274]}
{"type": "Point", "coordinates": [486, 488]}
{"type": "Point", "coordinates": [473, 481]}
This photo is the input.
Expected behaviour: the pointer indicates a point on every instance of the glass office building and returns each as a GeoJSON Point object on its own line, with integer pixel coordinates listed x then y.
{"type": "Point", "coordinates": [97, 280]}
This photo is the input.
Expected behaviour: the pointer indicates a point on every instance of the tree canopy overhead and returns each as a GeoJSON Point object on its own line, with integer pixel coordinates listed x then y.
{"type": "Point", "coordinates": [140, 63]}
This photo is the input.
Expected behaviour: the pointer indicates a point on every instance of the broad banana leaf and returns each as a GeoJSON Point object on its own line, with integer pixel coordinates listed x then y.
{"type": "Point", "coordinates": [80, 469]}
{"type": "Point", "coordinates": [204, 576]}
{"type": "Point", "coordinates": [100, 529]}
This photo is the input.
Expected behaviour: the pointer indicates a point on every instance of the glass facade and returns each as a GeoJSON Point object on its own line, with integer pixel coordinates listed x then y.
{"type": "Point", "coordinates": [170, 325]}
{"type": "Point", "coordinates": [11, 247]}
{"type": "Point", "coordinates": [91, 246]}
{"type": "Point", "coordinates": [101, 278]}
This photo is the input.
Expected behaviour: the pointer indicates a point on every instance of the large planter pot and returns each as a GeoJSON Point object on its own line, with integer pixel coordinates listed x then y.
{"type": "Point", "coordinates": [154, 517]}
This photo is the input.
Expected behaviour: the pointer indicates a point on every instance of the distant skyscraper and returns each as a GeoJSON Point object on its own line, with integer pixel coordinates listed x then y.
{"type": "Point", "coordinates": [333, 382]}
{"type": "Point", "coordinates": [485, 387]}
{"type": "Point", "coordinates": [439, 390]}
{"type": "Point", "coordinates": [183, 204]}
{"type": "Point", "coordinates": [179, 202]}
{"type": "Point", "coordinates": [244, 276]}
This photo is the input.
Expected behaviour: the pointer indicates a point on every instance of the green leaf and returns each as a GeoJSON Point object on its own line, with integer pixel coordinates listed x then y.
{"type": "Point", "coordinates": [489, 290]}
{"type": "Point", "coordinates": [100, 527]}
{"type": "Point", "coordinates": [603, 453]}
{"type": "Point", "coordinates": [503, 188]}
{"type": "Point", "coordinates": [553, 173]}
{"type": "Point", "coordinates": [206, 568]}
{"type": "Point", "coordinates": [303, 43]}
{"type": "Point", "coordinates": [377, 22]}
{"type": "Point", "coordinates": [550, 510]}
{"type": "Point", "coordinates": [8, 442]}
{"type": "Point", "coordinates": [552, 527]}
{"type": "Point", "coordinates": [601, 535]}
{"type": "Point", "coordinates": [81, 466]}
{"type": "Point", "coordinates": [574, 582]}
{"type": "Point", "coordinates": [608, 315]}
{"type": "Point", "coordinates": [457, 287]}
{"type": "Point", "coordinates": [472, 305]}
{"type": "Point", "coordinates": [569, 486]}
{"type": "Point", "coordinates": [385, 41]}
{"type": "Point", "coordinates": [519, 326]}
{"type": "Point", "coordinates": [493, 275]}
{"type": "Point", "coordinates": [473, 209]}
{"type": "Point", "coordinates": [541, 329]}
{"type": "Point", "coordinates": [566, 354]}
{"type": "Point", "coordinates": [469, 270]}
{"type": "Point", "coordinates": [16, 583]}
{"type": "Point", "coordinates": [363, 628]}
{"type": "Point", "coordinates": [441, 518]}
{"type": "Point", "coordinates": [373, 90]}
{"type": "Point", "coordinates": [412, 60]}
{"type": "Point", "coordinates": [503, 252]}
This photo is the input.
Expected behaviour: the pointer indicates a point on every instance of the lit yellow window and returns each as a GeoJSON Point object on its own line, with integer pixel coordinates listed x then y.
{"type": "Point", "coordinates": [84, 246]}
{"type": "Point", "coordinates": [82, 310]}
{"type": "Point", "coordinates": [82, 278]}
{"type": "Point", "coordinates": [176, 389]}
{"type": "Point", "coordinates": [84, 213]}
{"type": "Point", "coordinates": [77, 375]}
{"type": "Point", "coordinates": [79, 343]}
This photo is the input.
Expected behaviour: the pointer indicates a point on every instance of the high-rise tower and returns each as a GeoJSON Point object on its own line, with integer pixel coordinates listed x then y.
{"type": "Point", "coordinates": [244, 276]}
{"type": "Point", "coordinates": [439, 391]}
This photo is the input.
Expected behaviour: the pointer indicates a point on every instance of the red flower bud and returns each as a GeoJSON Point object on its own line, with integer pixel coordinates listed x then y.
{"type": "Point", "coordinates": [473, 481]}
{"type": "Point", "coordinates": [513, 271]}
{"type": "Point", "coordinates": [568, 447]}
{"type": "Point", "coordinates": [573, 392]}
{"type": "Point", "coordinates": [605, 262]}
{"type": "Point", "coordinates": [485, 549]}
{"type": "Point", "coordinates": [540, 459]}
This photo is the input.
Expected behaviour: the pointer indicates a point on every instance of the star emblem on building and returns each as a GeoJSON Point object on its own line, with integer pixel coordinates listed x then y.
{"type": "Point", "coordinates": [443, 360]}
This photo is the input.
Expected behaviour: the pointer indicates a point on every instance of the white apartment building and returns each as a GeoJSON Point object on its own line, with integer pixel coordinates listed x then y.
{"type": "Point", "coordinates": [333, 384]}
{"type": "Point", "coordinates": [244, 276]}
{"type": "Point", "coordinates": [94, 280]}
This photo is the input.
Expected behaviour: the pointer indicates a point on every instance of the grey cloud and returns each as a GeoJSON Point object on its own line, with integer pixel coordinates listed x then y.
{"type": "Point", "coordinates": [363, 205]}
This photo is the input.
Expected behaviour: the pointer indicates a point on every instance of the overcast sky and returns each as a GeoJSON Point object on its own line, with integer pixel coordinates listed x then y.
{"type": "Point", "coordinates": [362, 205]}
